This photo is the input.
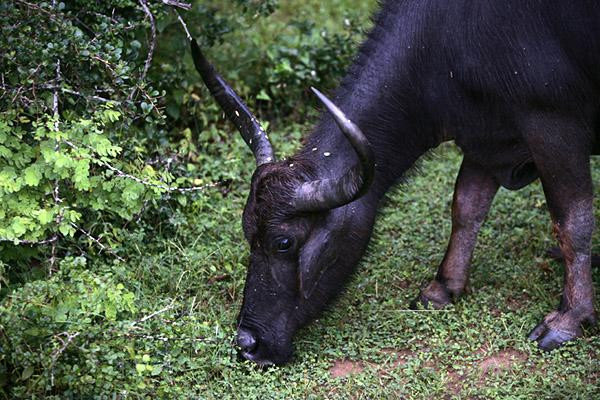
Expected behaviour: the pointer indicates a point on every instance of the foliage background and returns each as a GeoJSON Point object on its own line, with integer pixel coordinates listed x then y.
{"type": "Point", "coordinates": [121, 255]}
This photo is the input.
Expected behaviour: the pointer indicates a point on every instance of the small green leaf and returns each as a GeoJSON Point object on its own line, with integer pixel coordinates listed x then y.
{"type": "Point", "coordinates": [156, 370]}
{"type": "Point", "coordinates": [45, 216]}
{"type": "Point", "coordinates": [32, 175]}
{"type": "Point", "coordinates": [27, 372]}
{"type": "Point", "coordinates": [263, 96]}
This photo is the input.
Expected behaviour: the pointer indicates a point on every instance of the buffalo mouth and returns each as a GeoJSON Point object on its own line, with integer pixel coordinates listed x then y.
{"type": "Point", "coordinates": [263, 352]}
{"type": "Point", "coordinates": [244, 355]}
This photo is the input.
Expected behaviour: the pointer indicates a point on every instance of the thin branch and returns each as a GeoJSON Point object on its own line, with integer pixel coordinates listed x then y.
{"type": "Point", "coordinates": [41, 9]}
{"type": "Point", "coordinates": [151, 46]}
{"type": "Point", "coordinates": [52, 87]}
{"type": "Point", "coordinates": [154, 314]}
{"type": "Point", "coordinates": [144, 182]}
{"type": "Point", "coordinates": [56, 353]}
{"type": "Point", "coordinates": [85, 96]}
{"type": "Point", "coordinates": [55, 99]}
{"type": "Point", "coordinates": [180, 4]}
{"type": "Point", "coordinates": [31, 242]}
{"type": "Point", "coordinates": [70, 336]}
{"type": "Point", "coordinates": [93, 239]}
{"type": "Point", "coordinates": [106, 63]}
{"type": "Point", "coordinates": [55, 191]}
{"type": "Point", "coordinates": [187, 32]}
{"type": "Point", "coordinates": [166, 338]}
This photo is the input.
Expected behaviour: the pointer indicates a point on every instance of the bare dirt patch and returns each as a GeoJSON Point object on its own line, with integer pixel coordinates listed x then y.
{"type": "Point", "coordinates": [342, 368]}
{"type": "Point", "coordinates": [501, 361]}
{"type": "Point", "coordinates": [453, 384]}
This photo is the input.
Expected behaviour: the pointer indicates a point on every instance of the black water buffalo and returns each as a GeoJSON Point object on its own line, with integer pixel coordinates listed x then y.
{"type": "Point", "coordinates": [515, 83]}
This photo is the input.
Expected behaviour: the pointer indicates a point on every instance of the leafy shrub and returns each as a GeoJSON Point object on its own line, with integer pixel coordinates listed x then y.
{"type": "Point", "coordinates": [83, 137]}
{"type": "Point", "coordinates": [48, 319]}
{"type": "Point", "coordinates": [309, 56]}
{"type": "Point", "coordinates": [99, 129]}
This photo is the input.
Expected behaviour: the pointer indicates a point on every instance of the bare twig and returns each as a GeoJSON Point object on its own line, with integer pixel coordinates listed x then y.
{"type": "Point", "coordinates": [180, 4]}
{"type": "Point", "coordinates": [151, 46]}
{"type": "Point", "coordinates": [106, 63]}
{"type": "Point", "coordinates": [55, 99]}
{"type": "Point", "coordinates": [3, 87]}
{"type": "Point", "coordinates": [55, 191]}
{"type": "Point", "coordinates": [69, 338]}
{"type": "Point", "coordinates": [53, 87]}
{"type": "Point", "coordinates": [187, 32]}
{"type": "Point", "coordinates": [40, 9]}
{"type": "Point", "coordinates": [94, 97]}
{"type": "Point", "coordinates": [56, 353]}
{"type": "Point", "coordinates": [154, 314]}
{"type": "Point", "coordinates": [31, 242]}
{"type": "Point", "coordinates": [144, 182]}
{"type": "Point", "coordinates": [93, 239]}
{"type": "Point", "coordinates": [163, 338]}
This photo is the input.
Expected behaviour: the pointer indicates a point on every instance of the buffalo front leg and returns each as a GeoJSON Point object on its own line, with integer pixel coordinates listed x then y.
{"type": "Point", "coordinates": [567, 184]}
{"type": "Point", "coordinates": [473, 194]}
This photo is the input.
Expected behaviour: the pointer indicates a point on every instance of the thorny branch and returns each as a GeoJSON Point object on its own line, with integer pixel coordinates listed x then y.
{"type": "Point", "coordinates": [187, 32]}
{"type": "Point", "coordinates": [93, 239]}
{"type": "Point", "coordinates": [180, 4]}
{"type": "Point", "coordinates": [154, 314]}
{"type": "Point", "coordinates": [144, 182]}
{"type": "Point", "coordinates": [32, 242]}
{"type": "Point", "coordinates": [55, 191]}
{"type": "Point", "coordinates": [151, 46]}
{"type": "Point", "coordinates": [56, 353]}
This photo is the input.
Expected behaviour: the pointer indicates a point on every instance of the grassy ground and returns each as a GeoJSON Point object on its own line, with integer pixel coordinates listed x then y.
{"type": "Point", "coordinates": [371, 346]}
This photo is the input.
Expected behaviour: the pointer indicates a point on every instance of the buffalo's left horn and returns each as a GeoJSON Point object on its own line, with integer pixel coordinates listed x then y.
{"type": "Point", "coordinates": [325, 194]}
{"type": "Point", "coordinates": [235, 109]}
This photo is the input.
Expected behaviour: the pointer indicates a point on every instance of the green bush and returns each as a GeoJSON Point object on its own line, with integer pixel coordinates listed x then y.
{"type": "Point", "coordinates": [102, 121]}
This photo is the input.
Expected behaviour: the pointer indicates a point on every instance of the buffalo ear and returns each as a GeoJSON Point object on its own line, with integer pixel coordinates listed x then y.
{"type": "Point", "coordinates": [316, 257]}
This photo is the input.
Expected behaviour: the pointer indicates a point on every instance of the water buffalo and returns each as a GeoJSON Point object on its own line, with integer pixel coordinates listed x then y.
{"type": "Point", "coordinates": [516, 85]}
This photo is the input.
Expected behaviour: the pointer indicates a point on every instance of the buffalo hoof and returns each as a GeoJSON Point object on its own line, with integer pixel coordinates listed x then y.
{"type": "Point", "coordinates": [435, 295]}
{"type": "Point", "coordinates": [556, 329]}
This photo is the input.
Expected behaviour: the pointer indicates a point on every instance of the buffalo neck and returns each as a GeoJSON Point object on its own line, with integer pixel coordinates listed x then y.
{"type": "Point", "coordinates": [381, 93]}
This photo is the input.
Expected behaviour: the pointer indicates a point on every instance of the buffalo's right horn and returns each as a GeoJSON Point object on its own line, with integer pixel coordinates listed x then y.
{"type": "Point", "coordinates": [235, 109]}
{"type": "Point", "coordinates": [329, 193]}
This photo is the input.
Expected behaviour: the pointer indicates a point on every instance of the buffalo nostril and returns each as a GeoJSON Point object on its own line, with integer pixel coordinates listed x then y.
{"type": "Point", "coordinates": [246, 340]}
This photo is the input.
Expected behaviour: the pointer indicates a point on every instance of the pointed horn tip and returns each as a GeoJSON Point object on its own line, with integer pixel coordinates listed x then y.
{"type": "Point", "coordinates": [331, 106]}
{"type": "Point", "coordinates": [324, 99]}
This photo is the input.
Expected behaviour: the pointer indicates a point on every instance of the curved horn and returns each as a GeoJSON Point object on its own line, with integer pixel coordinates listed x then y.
{"type": "Point", "coordinates": [235, 109]}
{"type": "Point", "coordinates": [325, 194]}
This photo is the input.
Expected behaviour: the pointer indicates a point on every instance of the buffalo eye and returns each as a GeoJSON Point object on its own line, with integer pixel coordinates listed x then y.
{"type": "Point", "coordinates": [283, 244]}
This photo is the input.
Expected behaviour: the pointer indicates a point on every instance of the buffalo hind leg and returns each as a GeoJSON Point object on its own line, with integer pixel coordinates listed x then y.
{"type": "Point", "coordinates": [473, 194]}
{"type": "Point", "coordinates": [556, 254]}
{"type": "Point", "coordinates": [565, 174]}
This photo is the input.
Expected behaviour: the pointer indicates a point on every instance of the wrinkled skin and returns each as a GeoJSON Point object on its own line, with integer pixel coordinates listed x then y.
{"type": "Point", "coordinates": [294, 263]}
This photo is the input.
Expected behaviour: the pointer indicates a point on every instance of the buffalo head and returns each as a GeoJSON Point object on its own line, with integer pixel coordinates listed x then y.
{"type": "Point", "coordinates": [305, 230]}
